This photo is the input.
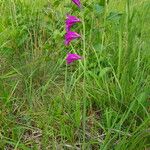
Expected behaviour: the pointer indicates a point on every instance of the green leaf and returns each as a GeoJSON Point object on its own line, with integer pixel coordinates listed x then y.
{"type": "Point", "coordinates": [114, 16]}
{"type": "Point", "coordinates": [104, 71]}
{"type": "Point", "coordinates": [99, 9]}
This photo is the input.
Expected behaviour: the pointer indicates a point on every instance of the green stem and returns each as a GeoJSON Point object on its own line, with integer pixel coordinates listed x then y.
{"type": "Point", "coordinates": [84, 84]}
{"type": "Point", "coordinates": [119, 53]}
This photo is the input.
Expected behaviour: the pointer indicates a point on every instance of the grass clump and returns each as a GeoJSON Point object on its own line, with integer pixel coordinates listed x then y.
{"type": "Point", "coordinates": [101, 102]}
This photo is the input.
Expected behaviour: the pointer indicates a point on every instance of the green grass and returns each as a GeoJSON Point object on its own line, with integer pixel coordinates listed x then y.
{"type": "Point", "coordinates": [99, 103]}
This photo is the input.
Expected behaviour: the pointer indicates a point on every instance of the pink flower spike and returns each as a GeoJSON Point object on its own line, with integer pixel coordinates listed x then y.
{"type": "Point", "coordinates": [70, 21]}
{"type": "Point", "coordinates": [77, 2]}
{"type": "Point", "coordinates": [70, 35]}
{"type": "Point", "coordinates": [72, 57]}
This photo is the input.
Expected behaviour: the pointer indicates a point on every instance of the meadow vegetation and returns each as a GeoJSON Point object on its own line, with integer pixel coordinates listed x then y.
{"type": "Point", "coordinates": [101, 102]}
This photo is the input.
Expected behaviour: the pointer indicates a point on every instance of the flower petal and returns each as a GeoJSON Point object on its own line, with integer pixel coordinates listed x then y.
{"type": "Point", "coordinates": [70, 35]}
{"type": "Point", "coordinates": [70, 21]}
{"type": "Point", "coordinates": [77, 2]}
{"type": "Point", "coordinates": [72, 57]}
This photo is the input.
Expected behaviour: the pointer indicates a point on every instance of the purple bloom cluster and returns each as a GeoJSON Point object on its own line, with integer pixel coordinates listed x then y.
{"type": "Point", "coordinates": [71, 35]}
{"type": "Point", "coordinates": [72, 57]}
{"type": "Point", "coordinates": [70, 21]}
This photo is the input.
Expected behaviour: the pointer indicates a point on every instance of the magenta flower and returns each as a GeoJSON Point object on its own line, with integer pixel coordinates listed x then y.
{"type": "Point", "coordinates": [77, 2]}
{"type": "Point", "coordinates": [70, 21]}
{"type": "Point", "coordinates": [70, 35]}
{"type": "Point", "coordinates": [72, 57]}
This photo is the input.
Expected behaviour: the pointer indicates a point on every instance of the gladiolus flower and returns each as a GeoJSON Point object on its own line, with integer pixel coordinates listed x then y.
{"type": "Point", "coordinates": [70, 21]}
{"type": "Point", "coordinates": [72, 57]}
{"type": "Point", "coordinates": [77, 2]}
{"type": "Point", "coordinates": [70, 35]}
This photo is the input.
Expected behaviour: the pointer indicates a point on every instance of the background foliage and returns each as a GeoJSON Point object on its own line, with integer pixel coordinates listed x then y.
{"type": "Point", "coordinates": [45, 104]}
